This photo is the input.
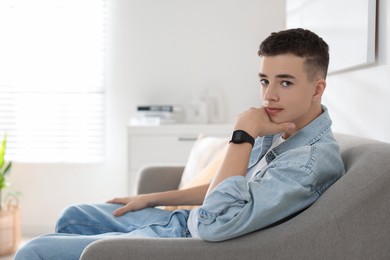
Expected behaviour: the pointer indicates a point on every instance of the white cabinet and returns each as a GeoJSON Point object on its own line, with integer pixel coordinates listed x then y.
{"type": "Point", "coordinates": [165, 145]}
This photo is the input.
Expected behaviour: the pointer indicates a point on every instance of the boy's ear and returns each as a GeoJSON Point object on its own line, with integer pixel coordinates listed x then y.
{"type": "Point", "coordinates": [319, 89]}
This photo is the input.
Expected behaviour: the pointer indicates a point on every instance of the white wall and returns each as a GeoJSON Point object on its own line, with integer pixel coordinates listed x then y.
{"type": "Point", "coordinates": [358, 99]}
{"type": "Point", "coordinates": [160, 52]}
{"type": "Point", "coordinates": [171, 50]}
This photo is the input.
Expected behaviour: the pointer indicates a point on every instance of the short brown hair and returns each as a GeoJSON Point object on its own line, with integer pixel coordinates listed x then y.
{"type": "Point", "coordinates": [302, 43]}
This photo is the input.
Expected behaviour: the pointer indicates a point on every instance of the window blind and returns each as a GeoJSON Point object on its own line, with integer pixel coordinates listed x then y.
{"type": "Point", "coordinates": [52, 93]}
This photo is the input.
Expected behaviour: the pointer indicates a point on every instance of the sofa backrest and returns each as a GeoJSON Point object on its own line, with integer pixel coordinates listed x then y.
{"type": "Point", "coordinates": [349, 221]}
{"type": "Point", "coordinates": [356, 151]}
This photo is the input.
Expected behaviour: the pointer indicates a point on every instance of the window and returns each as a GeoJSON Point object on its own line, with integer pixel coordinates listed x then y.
{"type": "Point", "coordinates": [52, 80]}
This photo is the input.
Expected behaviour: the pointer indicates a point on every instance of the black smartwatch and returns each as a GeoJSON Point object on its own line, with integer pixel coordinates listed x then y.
{"type": "Point", "coordinates": [240, 136]}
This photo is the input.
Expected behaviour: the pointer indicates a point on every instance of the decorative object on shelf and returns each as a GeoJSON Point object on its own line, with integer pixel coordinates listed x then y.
{"type": "Point", "coordinates": [10, 230]}
{"type": "Point", "coordinates": [157, 114]}
{"type": "Point", "coordinates": [207, 108]}
{"type": "Point", "coordinates": [196, 111]}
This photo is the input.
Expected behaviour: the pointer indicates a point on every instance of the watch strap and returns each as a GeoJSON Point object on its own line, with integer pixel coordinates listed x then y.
{"type": "Point", "coordinates": [240, 136]}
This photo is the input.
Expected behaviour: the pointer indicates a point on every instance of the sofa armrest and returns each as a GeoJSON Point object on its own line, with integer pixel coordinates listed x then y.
{"type": "Point", "coordinates": [159, 178]}
{"type": "Point", "coordinates": [161, 249]}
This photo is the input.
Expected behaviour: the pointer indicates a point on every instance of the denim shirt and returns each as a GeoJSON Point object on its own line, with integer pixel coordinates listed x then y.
{"type": "Point", "coordinates": [298, 172]}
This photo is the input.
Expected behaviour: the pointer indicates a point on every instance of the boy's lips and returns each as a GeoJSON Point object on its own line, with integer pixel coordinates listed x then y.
{"type": "Point", "coordinates": [273, 110]}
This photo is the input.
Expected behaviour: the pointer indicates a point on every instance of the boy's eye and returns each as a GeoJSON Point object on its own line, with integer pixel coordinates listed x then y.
{"type": "Point", "coordinates": [286, 83]}
{"type": "Point", "coordinates": [264, 82]}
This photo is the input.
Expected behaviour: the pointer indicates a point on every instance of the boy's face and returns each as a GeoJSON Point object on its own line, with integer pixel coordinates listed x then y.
{"type": "Point", "coordinates": [287, 92]}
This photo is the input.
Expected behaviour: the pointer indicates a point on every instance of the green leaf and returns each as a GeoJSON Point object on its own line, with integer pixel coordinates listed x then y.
{"type": "Point", "coordinates": [3, 183]}
{"type": "Point", "coordinates": [7, 168]}
{"type": "Point", "coordinates": [2, 151]}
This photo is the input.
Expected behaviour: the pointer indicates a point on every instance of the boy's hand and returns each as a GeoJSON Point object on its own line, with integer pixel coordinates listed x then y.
{"type": "Point", "coordinates": [130, 204]}
{"type": "Point", "coordinates": [256, 122]}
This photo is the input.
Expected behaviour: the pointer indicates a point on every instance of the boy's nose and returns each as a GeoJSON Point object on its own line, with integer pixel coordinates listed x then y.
{"type": "Point", "coordinates": [270, 94]}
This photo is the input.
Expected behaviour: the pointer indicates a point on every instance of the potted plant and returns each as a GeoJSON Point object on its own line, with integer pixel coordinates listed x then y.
{"type": "Point", "coordinates": [4, 169]}
{"type": "Point", "coordinates": [10, 231]}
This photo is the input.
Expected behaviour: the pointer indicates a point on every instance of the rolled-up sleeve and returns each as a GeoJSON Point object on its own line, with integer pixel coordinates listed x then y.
{"type": "Point", "coordinates": [236, 207]}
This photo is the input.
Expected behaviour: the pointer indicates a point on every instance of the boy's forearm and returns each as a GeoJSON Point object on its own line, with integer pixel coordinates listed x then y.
{"type": "Point", "coordinates": [235, 163]}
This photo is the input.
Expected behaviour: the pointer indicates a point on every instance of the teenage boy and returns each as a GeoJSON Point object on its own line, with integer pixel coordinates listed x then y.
{"type": "Point", "coordinates": [281, 158]}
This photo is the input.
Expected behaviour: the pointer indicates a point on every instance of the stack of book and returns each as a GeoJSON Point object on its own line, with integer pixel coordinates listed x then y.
{"type": "Point", "coordinates": [156, 115]}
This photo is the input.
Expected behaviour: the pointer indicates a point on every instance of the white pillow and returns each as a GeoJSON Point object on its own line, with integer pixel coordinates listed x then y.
{"type": "Point", "coordinates": [204, 151]}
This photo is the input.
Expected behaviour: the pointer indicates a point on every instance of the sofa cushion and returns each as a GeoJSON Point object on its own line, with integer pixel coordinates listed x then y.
{"type": "Point", "coordinates": [203, 152]}
{"type": "Point", "coordinates": [203, 162]}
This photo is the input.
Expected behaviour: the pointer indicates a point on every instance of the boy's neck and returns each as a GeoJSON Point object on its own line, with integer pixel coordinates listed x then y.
{"type": "Point", "coordinates": [316, 112]}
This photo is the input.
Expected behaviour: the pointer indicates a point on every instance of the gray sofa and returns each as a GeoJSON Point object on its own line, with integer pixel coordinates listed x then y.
{"type": "Point", "coordinates": [350, 221]}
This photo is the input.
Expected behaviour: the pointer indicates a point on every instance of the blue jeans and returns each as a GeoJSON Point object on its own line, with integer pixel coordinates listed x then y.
{"type": "Point", "coordinates": [80, 225]}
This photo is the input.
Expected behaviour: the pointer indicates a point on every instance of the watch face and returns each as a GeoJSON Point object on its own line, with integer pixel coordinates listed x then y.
{"type": "Point", "coordinates": [238, 137]}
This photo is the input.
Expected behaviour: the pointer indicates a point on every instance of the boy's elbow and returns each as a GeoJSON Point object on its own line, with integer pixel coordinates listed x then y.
{"type": "Point", "coordinates": [210, 234]}
{"type": "Point", "coordinates": [207, 236]}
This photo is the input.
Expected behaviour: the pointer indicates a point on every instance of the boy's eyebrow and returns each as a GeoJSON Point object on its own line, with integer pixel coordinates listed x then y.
{"type": "Point", "coordinates": [282, 76]}
{"type": "Point", "coordinates": [285, 76]}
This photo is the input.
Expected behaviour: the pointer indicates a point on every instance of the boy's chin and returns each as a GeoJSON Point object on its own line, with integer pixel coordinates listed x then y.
{"type": "Point", "coordinates": [277, 120]}
{"type": "Point", "coordinates": [280, 120]}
